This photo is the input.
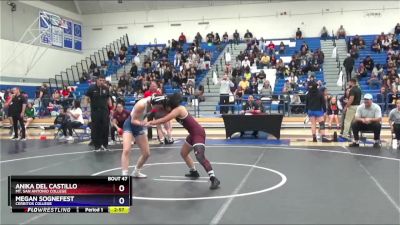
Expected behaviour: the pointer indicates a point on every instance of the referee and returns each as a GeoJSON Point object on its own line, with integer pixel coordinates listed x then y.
{"type": "Point", "coordinates": [100, 102]}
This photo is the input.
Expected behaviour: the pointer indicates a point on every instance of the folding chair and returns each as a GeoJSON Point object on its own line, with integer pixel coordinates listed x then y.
{"type": "Point", "coordinates": [363, 138]}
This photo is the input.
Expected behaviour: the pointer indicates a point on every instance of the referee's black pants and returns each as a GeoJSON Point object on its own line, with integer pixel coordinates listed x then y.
{"type": "Point", "coordinates": [100, 127]}
{"type": "Point", "coordinates": [18, 119]}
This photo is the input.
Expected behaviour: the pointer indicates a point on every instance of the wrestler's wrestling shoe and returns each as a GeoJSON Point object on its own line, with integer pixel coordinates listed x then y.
{"type": "Point", "coordinates": [214, 183]}
{"type": "Point", "coordinates": [193, 174]}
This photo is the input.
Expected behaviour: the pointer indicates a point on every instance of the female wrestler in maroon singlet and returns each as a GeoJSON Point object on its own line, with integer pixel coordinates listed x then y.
{"type": "Point", "coordinates": [195, 140]}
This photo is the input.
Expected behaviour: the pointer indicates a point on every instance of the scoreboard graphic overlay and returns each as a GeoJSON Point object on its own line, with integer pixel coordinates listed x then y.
{"type": "Point", "coordinates": [66, 194]}
{"type": "Point", "coordinates": [59, 32]}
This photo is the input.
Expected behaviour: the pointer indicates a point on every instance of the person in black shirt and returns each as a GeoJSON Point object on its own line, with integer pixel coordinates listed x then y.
{"type": "Point", "coordinates": [368, 63]}
{"type": "Point", "coordinates": [17, 112]}
{"type": "Point", "coordinates": [99, 104]}
{"type": "Point", "coordinates": [348, 64]}
{"type": "Point", "coordinates": [351, 106]}
{"type": "Point", "coordinates": [316, 108]}
{"type": "Point", "coordinates": [397, 29]}
{"type": "Point", "coordinates": [252, 107]}
{"type": "Point", "coordinates": [44, 99]}
{"type": "Point", "coordinates": [299, 34]}
{"type": "Point", "coordinates": [248, 35]}
{"type": "Point", "coordinates": [236, 37]}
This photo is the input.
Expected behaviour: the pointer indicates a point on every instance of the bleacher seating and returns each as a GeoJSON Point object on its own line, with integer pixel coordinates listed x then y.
{"type": "Point", "coordinates": [379, 58]}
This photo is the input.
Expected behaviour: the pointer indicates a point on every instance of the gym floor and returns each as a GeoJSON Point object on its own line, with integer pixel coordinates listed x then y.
{"type": "Point", "coordinates": [260, 184]}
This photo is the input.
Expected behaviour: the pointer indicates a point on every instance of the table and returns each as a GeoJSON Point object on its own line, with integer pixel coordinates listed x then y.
{"type": "Point", "coordinates": [268, 123]}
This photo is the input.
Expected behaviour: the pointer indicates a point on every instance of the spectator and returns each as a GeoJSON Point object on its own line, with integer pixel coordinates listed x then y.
{"type": "Point", "coordinates": [392, 97]}
{"type": "Point", "coordinates": [341, 33]}
{"type": "Point", "coordinates": [296, 106]}
{"type": "Point", "coordinates": [293, 82]}
{"type": "Point", "coordinates": [397, 29]}
{"type": "Point", "coordinates": [121, 58]}
{"type": "Point", "coordinates": [135, 49]}
{"type": "Point", "coordinates": [395, 44]}
{"type": "Point", "coordinates": [385, 43]}
{"type": "Point", "coordinates": [354, 52]}
{"type": "Point", "coordinates": [248, 35]}
{"type": "Point", "coordinates": [75, 120]}
{"type": "Point", "coordinates": [17, 111]}
{"type": "Point", "coordinates": [374, 82]}
{"type": "Point", "coordinates": [281, 48]}
{"type": "Point", "coordinates": [224, 92]}
{"type": "Point", "coordinates": [315, 108]}
{"type": "Point", "coordinates": [368, 117]}
{"type": "Point", "coordinates": [381, 98]}
{"type": "Point", "coordinates": [351, 106]}
{"type": "Point", "coordinates": [394, 122]}
{"type": "Point", "coordinates": [333, 112]}
{"type": "Point", "coordinates": [198, 38]}
{"type": "Point", "coordinates": [182, 39]}
{"type": "Point", "coordinates": [225, 37]}
{"type": "Point", "coordinates": [92, 66]}
{"type": "Point", "coordinates": [361, 43]}
{"type": "Point", "coordinates": [199, 94]}
{"type": "Point", "coordinates": [361, 71]}
{"type": "Point", "coordinates": [110, 55]}
{"type": "Point", "coordinates": [245, 85]}
{"type": "Point", "coordinates": [236, 37]}
{"type": "Point", "coordinates": [134, 70]}
{"type": "Point", "coordinates": [117, 122]}
{"type": "Point", "coordinates": [29, 114]}
{"type": "Point", "coordinates": [261, 45]}
{"type": "Point", "coordinates": [299, 34]}
{"type": "Point", "coordinates": [44, 98]}
{"type": "Point", "coordinates": [265, 59]}
{"type": "Point", "coordinates": [246, 62]}
{"type": "Point", "coordinates": [217, 39]}
{"type": "Point", "coordinates": [266, 90]}
{"type": "Point", "coordinates": [324, 33]}
{"type": "Point", "coordinates": [355, 41]}
{"type": "Point", "coordinates": [368, 63]}
{"type": "Point", "coordinates": [210, 37]}
{"type": "Point", "coordinates": [252, 107]}
{"type": "Point", "coordinates": [271, 48]}
{"type": "Point", "coordinates": [376, 47]}
{"type": "Point", "coordinates": [123, 82]}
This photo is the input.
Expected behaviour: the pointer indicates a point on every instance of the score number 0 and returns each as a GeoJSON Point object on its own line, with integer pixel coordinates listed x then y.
{"type": "Point", "coordinates": [121, 200]}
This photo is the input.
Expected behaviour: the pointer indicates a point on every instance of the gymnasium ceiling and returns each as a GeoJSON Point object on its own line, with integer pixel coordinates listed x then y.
{"type": "Point", "coordinates": [100, 6]}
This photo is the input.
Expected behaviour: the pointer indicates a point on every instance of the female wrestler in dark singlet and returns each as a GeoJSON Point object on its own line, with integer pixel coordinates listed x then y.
{"type": "Point", "coordinates": [195, 140]}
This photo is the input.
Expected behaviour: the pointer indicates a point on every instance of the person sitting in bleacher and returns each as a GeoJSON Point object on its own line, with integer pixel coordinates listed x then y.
{"type": "Point", "coordinates": [73, 120]}
{"type": "Point", "coordinates": [368, 118]}
{"type": "Point", "coordinates": [386, 43]}
{"type": "Point", "coordinates": [381, 98]}
{"type": "Point", "coordinates": [393, 97]}
{"type": "Point", "coordinates": [376, 47]}
{"type": "Point", "coordinates": [354, 52]}
{"type": "Point", "coordinates": [395, 43]}
{"type": "Point", "coordinates": [361, 71]}
{"type": "Point", "coordinates": [117, 122]}
{"type": "Point", "coordinates": [355, 41]}
{"type": "Point", "coordinates": [368, 63]}
{"type": "Point", "coordinates": [394, 122]}
{"type": "Point", "coordinates": [29, 114]}
{"type": "Point", "coordinates": [374, 82]}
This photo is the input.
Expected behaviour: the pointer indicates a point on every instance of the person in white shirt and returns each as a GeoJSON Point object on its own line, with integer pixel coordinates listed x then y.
{"type": "Point", "coordinates": [224, 92]}
{"type": "Point", "coordinates": [246, 62]}
{"type": "Point", "coordinates": [76, 120]}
